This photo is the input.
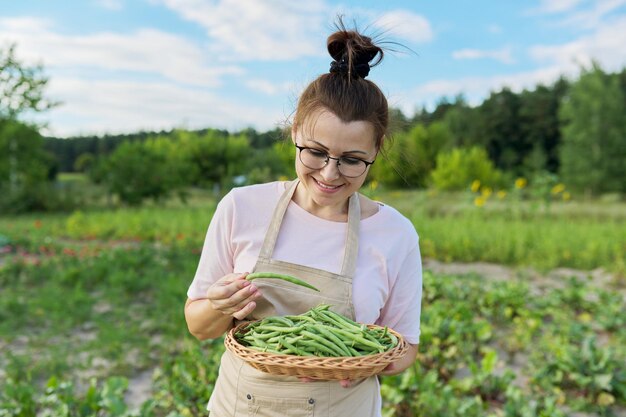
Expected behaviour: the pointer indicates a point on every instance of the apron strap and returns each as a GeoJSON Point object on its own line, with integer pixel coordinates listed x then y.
{"type": "Point", "coordinates": [348, 267]}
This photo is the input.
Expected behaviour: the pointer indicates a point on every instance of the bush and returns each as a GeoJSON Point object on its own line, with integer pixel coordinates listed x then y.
{"type": "Point", "coordinates": [137, 171]}
{"type": "Point", "coordinates": [459, 167]}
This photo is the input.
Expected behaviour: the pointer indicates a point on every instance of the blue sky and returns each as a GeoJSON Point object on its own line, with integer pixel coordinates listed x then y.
{"type": "Point", "coordinates": [120, 66]}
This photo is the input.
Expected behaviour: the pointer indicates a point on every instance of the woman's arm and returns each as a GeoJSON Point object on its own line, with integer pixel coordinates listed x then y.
{"type": "Point", "coordinates": [403, 363]}
{"type": "Point", "coordinates": [232, 297]}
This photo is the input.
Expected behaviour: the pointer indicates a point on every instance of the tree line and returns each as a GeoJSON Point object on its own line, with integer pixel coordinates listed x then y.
{"type": "Point", "coordinates": [571, 129]}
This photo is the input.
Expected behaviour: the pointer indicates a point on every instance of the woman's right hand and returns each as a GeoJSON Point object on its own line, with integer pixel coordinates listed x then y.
{"type": "Point", "coordinates": [233, 295]}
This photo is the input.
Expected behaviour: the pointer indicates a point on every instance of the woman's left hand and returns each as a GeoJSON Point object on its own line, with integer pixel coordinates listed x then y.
{"type": "Point", "coordinates": [400, 365]}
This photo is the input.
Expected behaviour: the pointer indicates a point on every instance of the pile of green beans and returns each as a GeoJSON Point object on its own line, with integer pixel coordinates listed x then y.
{"type": "Point", "coordinates": [318, 332]}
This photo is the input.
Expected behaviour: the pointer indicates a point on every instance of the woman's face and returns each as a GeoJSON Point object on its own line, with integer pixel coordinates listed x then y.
{"type": "Point", "coordinates": [325, 192]}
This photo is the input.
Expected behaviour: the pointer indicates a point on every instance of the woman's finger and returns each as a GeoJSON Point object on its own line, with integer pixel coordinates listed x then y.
{"type": "Point", "coordinates": [245, 311]}
{"type": "Point", "coordinates": [346, 383]}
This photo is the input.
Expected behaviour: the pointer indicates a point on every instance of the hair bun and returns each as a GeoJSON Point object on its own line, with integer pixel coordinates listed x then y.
{"type": "Point", "coordinates": [352, 53]}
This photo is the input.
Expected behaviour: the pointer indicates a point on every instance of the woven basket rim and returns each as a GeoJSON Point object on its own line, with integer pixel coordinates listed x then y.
{"type": "Point", "coordinates": [341, 367]}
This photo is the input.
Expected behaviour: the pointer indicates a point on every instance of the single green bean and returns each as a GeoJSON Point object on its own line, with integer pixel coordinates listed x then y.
{"type": "Point", "coordinates": [277, 328]}
{"type": "Point", "coordinates": [284, 277]}
{"type": "Point", "coordinates": [264, 336]}
{"type": "Point", "coordinates": [278, 319]}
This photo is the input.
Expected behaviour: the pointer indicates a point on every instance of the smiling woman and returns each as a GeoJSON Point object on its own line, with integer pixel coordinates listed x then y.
{"type": "Point", "coordinates": [362, 256]}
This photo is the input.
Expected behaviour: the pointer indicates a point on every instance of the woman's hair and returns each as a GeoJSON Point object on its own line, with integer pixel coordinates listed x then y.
{"type": "Point", "coordinates": [344, 91]}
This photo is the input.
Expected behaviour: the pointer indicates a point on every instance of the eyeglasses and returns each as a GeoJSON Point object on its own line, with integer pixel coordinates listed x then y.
{"type": "Point", "coordinates": [348, 166]}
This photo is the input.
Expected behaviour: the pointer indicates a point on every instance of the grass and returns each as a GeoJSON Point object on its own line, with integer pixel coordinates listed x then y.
{"type": "Point", "coordinates": [576, 234]}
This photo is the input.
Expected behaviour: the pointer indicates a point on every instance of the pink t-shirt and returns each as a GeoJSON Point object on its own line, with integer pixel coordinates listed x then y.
{"type": "Point", "coordinates": [387, 286]}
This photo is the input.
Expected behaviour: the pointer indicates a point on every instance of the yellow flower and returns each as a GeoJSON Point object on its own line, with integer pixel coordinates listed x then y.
{"type": "Point", "coordinates": [479, 201]}
{"type": "Point", "coordinates": [520, 183]}
{"type": "Point", "coordinates": [566, 196]}
{"type": "Point", "coordinates": [374, 184]}
{"type": "Point", "coordinates": [486, 192]}
{"type": "Point", "coordinates": [559, 188]}
{"type": "Point", "coordinates": [605, 399]}
{"type": "Point", "coordinates": [475, 186]}
{"type": "Point", "coordinates": [501, 194]}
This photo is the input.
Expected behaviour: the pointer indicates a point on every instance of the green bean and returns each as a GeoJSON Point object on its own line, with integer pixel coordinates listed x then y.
{"type": "Point", "coordinates": [330, 335]}
{"type": "Point", "coordinates": [319, 331]}
{"type": "Point", "coordinates": [278, 328]}
{"type": "Point", "coordinates": [284, 277]}
{"type": "Point", "coordinates": [301, 318]}
{"type": "Point", "coordinates": [330, 319]}
{"type": "Point", "coordinates": [295, 350]}
{"type": "Point", "coordinates": [279, 319]}
{"type": "Point", "coordinates": [323, 341]}
{"type": "Point", "coordinates": [361, 340]}
{"type": "Point", "coordinates": [265, 336]}
{"type": "Point", "coordinates": [318, 347]}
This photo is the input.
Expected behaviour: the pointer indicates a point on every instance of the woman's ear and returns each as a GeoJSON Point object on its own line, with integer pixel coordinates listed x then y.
{"type": "Point", "coordinates": [293, 134]}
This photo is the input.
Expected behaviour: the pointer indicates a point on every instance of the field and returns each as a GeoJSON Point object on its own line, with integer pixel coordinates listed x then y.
{"type": "Point", "coordinates": [524, 310]}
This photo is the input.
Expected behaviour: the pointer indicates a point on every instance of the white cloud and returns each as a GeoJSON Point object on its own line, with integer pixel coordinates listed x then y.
{"type": "Point", "coordinates": [144, 51]}
{"type": "Point", "coordinates": [256, 30]}
{"type": "Point", "coordinates": [475, 89]}
{"type": "Point", "coordinates": [593, 17]}
{"type": "Point", "coordinates": [580, 14]}
{"type": "Point", "coordinates": [606, 46]}
{"type": "Point", "coordinates": [115, 5]}
{"type": "Point", "coordinates": [555, 6]}
{"type": "Point", "coordinates": [270, 88]}
{"type": "Point", "coordinates": [503, 55]}
{"type": "Point", "coordinates": [98, 107]}
{"type": "Point", "coordinates": [406, 25]}
{"type": "Point", "coordinates": [495, 29]}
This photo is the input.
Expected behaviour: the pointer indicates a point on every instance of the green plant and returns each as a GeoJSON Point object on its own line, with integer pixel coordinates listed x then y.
{"type": "Point", "coordinates": [459, 167]}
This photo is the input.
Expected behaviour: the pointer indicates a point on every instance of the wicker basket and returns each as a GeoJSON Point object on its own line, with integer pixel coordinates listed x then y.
{"type": "Point", "coordinates": [324, 368]}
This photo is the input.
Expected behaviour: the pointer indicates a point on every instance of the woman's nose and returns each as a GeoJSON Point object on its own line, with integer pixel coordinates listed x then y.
{"type": "Point", "coordinates": [330, 171]}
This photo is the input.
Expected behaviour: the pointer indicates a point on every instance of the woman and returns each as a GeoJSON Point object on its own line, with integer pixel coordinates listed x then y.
{"type": "Point", "coordinates": [362, 255]}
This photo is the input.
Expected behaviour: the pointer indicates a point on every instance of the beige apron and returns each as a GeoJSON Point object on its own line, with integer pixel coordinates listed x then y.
{"type": "Point", "coordinates": [242, 391]}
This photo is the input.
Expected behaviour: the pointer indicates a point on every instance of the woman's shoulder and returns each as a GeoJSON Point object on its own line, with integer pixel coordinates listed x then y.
{"type": "Point", "coordinates": [255, 195]}
{"type": "Point", "coordinates": [252, 190]}
{"type": "Point", "coordinates": [382, 217]}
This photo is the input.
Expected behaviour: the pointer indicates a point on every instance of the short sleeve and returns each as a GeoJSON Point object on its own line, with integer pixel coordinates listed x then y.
{"type": "Point", "coordinates": [216, 259]}
{"type": "Point", "coordinates": [402, 309]}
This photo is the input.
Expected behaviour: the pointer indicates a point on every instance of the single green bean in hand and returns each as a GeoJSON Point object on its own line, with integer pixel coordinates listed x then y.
{"type": "Point", "coordinates": [284, 277]}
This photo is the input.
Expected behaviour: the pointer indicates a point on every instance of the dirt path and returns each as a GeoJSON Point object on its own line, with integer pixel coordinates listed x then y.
{"type": "Point", "coordinates": [538, 281]}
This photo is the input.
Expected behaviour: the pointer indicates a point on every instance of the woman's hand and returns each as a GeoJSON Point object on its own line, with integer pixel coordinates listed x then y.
{"type": "Point", "coordinates": [233, 295]}
{"type": "Point", "coordinates": [403, 363]}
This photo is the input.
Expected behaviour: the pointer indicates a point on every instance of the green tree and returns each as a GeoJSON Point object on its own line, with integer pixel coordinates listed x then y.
{"type": "Point", "coordinates": [412, 156]}
{"type": "Point", "coordinates": [539, 124]}
{"type": "Point", "coordinates": [460, 121]}
{"type": "Point", "coordinates": [25, 167]}
{"type": "Point", "coordinates": [21, 86]}
{"type": "Point", "coordinates": [593, 128]}
{"type": "Point", "coordinates": [153, 169]}
{"type": "Point", "coordinates": [500, 129]}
